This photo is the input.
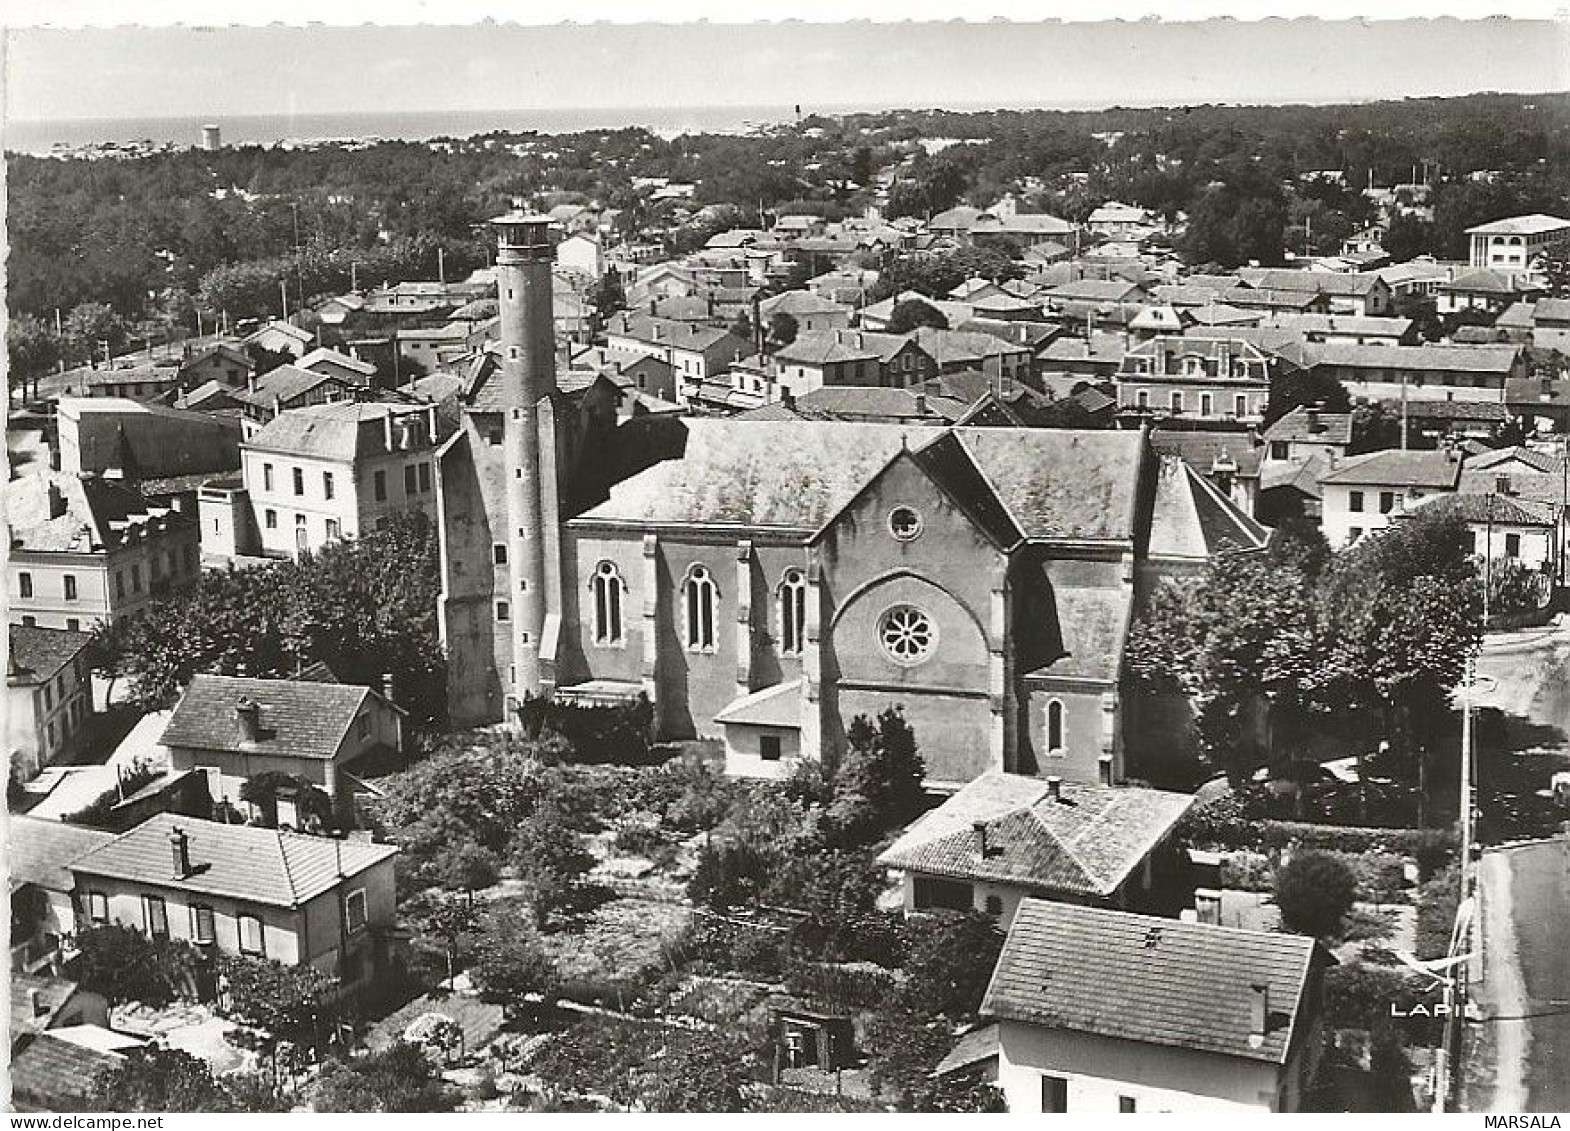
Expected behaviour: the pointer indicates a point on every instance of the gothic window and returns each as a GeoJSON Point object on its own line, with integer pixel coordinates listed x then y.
{"type": "Point", "coordinates": [907, 634]}
{"type": "Point", "coordinates": [699, 597]}
{"type": "Point", "coordinates": [793, 612]}
{"type": "Point", "coordinates": [1055, 727]}
{"type": "Point", "coordinates": [607, 587]}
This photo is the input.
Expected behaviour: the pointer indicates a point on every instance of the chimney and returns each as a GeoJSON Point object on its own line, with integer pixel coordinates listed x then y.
{"type": "Point", "coordinates": [1258, 1014]}
{"type": "Point", "coordinates": [653, 304]}
{"type": "Point", "coordinates": [430, 424]}
{"type": "Point", "coordinates": [250, 382]}
{"type": "Point", "coordinates": [1104, 769]}
{"type": "Point", "coordinates": [787, 398]}
{"type": "Point", "coordinates": [858, 339]}
{"type": "Point", "coordinates": [980, 829]}
{"type": "Point", "coordinates": [1054, 788]}
{"type": "Point", "coordinates": [1207, 906]}
{"type": "Point", "coordinates": [921, 404]}
{"type": "Point", "coordinates": [248, 713]}
{"type": "Point", "coordinates": [180, 852]}
{"type": "Point", "coordinates": [35, 1004]}
{"type": "Point", "coordinates": [387, 429]}
{"type": "Point", "coordinates": [1315, 425]}
{"type": "Point", "coordinates": [56, 501]}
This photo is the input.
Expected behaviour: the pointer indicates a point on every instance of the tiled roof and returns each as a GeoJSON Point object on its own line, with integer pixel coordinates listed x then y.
{"type": "Point", "coordinates": [676, 335]}
{"type": "Point", "coordinates": [957, 347]}
{"type": "Point", "coordinates": [243, 862]}
{"type": "Point", "coordinates": [1201, 447]}
{"type": "Point", "coordinates": [1532, 224]}
{"type": "Point", "coordinates": [1487, 282]}
{"type": "Point", "coordinates": [872, 404]}
{"type": "Point", "coordinates": [1481, 508]}
{"type": "Point", "coordinates": [38, 653]}
{"type": "Point", "coordinates": [1086, 842]}
{"type": "Point", "coordinates": [1539, 461]}
{"type": "Point", "coordinates": [1094, 290]}
{"type": "Point", "coordinates": [776, 706]}
{"type": "Point", "coordinates": [973, 1047]}
{"type": "Point", "coordinates": [1156, 981]}
{"type": "Point", "coordinates": [98, 514]}
{"type": "Point", "coordinates": [1306, 424]}
{"type": "Point", "coordinates": [48, 1074]}
{"type": "Point", "coordinates": [1466, 359]}
{"type": "Point", "coordinates": [1483, 412]}
{"type": "Point", "coordinates": [285, 384]}
{"type": "Point", "coordinates": [51, 994]}
{"type": "Point", "coordinates": [331, 357]}
{"type": "Point", "coordinates": [299, 718]}
{"type": "Point", "coordinates": [340, 430]}
{"type": "Point", "coordinates": [799, 303]}
{"type": "Point", "coordinates": [1398, 469]}
{"type": "Point", "coordinates": [826, 347]}
{"type": "Point", "coordinates": [1322, 282]}
{"type": "Point", "coordinates": [142, 374]}
{"type": "Point", "coordinates": [39, 850]}
{"type": "Point", "coordinates": [1053, 484]}
{"type": "Point", "coordinates": [1193, 520]}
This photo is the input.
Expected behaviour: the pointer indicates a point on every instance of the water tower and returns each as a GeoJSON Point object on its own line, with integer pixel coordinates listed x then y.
{"type": "Point", "coordinates": [211, 140]}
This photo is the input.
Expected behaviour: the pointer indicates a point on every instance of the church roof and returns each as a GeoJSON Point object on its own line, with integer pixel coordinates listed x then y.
{"type": "Point", "coordinates": [1194, 520]}
{"type": "Point", "coordinates": [1051, 484]}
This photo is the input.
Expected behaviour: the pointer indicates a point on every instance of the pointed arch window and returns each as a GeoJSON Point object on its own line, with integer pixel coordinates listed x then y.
{"type": "Point", "coordinates": [1055, 727]}
{"type": "Point", "coordinates": [607, 589]}
{"type": "Point", "coordinates": [699, 597]}
{"type": "Point", "coordinates": [793, 612]}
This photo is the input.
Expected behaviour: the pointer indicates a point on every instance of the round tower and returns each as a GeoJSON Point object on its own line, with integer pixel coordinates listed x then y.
{"type": "Point", "coordinates": [525, 251]}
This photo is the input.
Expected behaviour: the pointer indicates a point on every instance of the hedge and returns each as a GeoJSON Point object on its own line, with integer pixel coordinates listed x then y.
{"type": "Point", "coordinates": [1222, 824]}
{"type": "Point", "coordinates": [1357, 993]}
{"type": "Point", "coordinates": [851, 987]}
{"type": "Point", "coordinates": [1437, 902]}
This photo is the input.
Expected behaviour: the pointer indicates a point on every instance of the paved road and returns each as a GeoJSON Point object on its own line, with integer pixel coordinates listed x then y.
{"type": "Point", "coordinates": [1521, 1046]}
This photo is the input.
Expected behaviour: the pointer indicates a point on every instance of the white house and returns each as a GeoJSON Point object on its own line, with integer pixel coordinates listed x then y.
{"type": "Point", "coordinates": [1362, 493]}
{"type": "Point", "coordinates": [1101, 1012]}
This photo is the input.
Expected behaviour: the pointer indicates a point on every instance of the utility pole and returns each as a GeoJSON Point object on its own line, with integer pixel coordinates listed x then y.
{"type": "Point", "coordinates": [283, 291]}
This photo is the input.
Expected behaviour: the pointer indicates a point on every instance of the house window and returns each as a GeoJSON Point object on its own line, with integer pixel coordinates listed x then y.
{"type": "Point", "coordinates": [1177, 400]}
{"type": "Point", "coordinates": [1240, 405]}
{"type": "Point", "coordinates": [1387, 502]}
{"type": "Point", "coordinates": [409, 482]}
{"type": "Point", "coordinates": [1142, 398]}
{"type": "Point", "coordinates": [994, 905]}
{"type": "Point", "coordinates": [136, 578]}
{"type": "Point", "coordinates": [951, 895]}
{"type": "Point", "coordinates": [499, 553]}
{"type": "Point", "coordinates": [327, 484]}
{"type": "Point", "coordinates": [253, 940]}
{"type": "Point", "coordinates": [119, 584]}
{"type": "Point", "coordinates": [1206, 404]}
{"type": "Point", "coordinates": [1512, 545]}
{"type": "Point", "coordinates": [267, 477]}
{"type": "Point", "coordinates": [271, 519]}
{"type": "Point", "coordinates": [354, 910]}
{"type": "Point", "coordinates": [202, 923]}
{"type": "Point", "coordinates": [155, 914]}
{"type": "Point", "coordinates": [1054, 1094]}
{"type": "Point", "coordinates": [49, 699]}
{"type": "Point", "coordinates": [425, 478]}
{"type": "Point", "coordinates": [30, 621]}
{"type": "Point", "coordinates": [1278, 449]}
{"type": "Point", "coordinates": [607, 587]}
{"type": "Point", "coordinates": [379, 486]}
{"type": "Point", "coordinates": [769, 747]}
{"type": "Point", "coordinates": [97, 908]}
{"type": "Point", "coordinates": [299, 481]}
{"type": "Point", "coordinates": [1055, 727]}
{"type": "Point", "coordinates": [334, 530]}
{"type": "Point", "coordinates": [699, 596]}
{"type": "Point", "coordinates": [503, 611]}
{"type": "Point", "coordinates": [1353, 534]}
{"type": "Point", "coordinates": [1126, 1105]}
{"type": "Point", "coordinates": [70, 587]}
{"type": "Point", "coordinates": [73, 624]}
{"type": "Point", "coordinates": [25, 580]}
{"type": "Point", "coordinates": [793, 612]}
{"type": "Point", "coordinates": [1355, 501]}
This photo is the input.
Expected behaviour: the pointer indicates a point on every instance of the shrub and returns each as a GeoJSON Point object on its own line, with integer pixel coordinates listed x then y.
{"type": "Point", "coordinates": [952, 954]}
{"type": "Point", "coordinates": [96, 812]}
{"type": "Point", "coordinates": [123, 964]}
{"type": "Point", "coordinates": [1356, 994]}
{"type": "Point", "coordinates": [845, 987]}
{"type": "Point", "coordinates": [1247, 871]}
{"type": "Point", "coordinates": [594, 735]}
{"type": "Point", "coordinates": [1314, 891]}
{"type": "Point", "coordinates": [1437, 902]}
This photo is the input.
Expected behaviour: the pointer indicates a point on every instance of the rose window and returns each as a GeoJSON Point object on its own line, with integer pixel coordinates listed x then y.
{"type": "Point", "coordinates": [907, 634]}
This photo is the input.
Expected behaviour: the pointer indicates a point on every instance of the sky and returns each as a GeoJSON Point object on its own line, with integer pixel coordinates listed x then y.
{"type": "Point", "coordinates": [171, 72]}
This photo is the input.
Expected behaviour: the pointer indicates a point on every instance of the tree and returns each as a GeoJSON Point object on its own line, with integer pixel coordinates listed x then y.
{"type": "Point", "coordinates": [448, 917]}
{"type": "Point", "coordinates": [151, 1078]}
{"type": "Point", "coordinates": [290, 1002]}
{"type": "Point", "coordinates": [264, 360]}
{"type": "Point", "coordinates": [1314, 891]}
{"type": "Point", "coordinates": [702, 1071]}
{"type": "Point", "coordinates": [609, 295]}
{"type": "Point", "coordinates": [913, 312]}
{"type": "Point", "coordinates": [937, 274]}
{"type": "Point", "coordinates": [398, 1078]}
{"type": "Point", "coordinates": [905, 1046]}
{"type": "Point", "coordinates": [731, 873]}
{"type": "Point", "coordinates": [32, 348]}
{"type": "Point", "coordinates": [878, 785]}
{"type": "Point", "coordinates": [551, 859]}
{"type": "Point", "coordinates": [1389, 1069]}
{"type": "Point", "coordinates": [509, 960]}
{"type": "Point", "coordinates": [1375, 428]}
{"type": "Point", "coordinates": [1304, 388]}
{"type": "Point", "coordinates": [465, 867]}
{"type": "Point", "coordinates": [742, 327]}
{"type": "Point", "coordinates": [782, 329]}
{"type": "Point", "coordinates": [1408, 237]}
{"type": "Point", "coordinates": [952, 954]}
{"type": "Point", "coordinates": [89, 328]}
{"type": "Point", "coordinates": [124, 964]}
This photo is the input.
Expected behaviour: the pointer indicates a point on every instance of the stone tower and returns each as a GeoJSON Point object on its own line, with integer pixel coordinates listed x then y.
{"type": "Point", "coordinates": [525, 250]}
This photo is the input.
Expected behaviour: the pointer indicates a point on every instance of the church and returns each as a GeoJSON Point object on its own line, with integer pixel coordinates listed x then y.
{"type": "Point", "coordinates": [766, 582]}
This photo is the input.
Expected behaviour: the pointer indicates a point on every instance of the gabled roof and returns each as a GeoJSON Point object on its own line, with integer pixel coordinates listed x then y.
{"type": "Point", "coordinates": [797, 303]}
{"type": "Point", "coordinates": [299, 718]}
{"type": "Point", "coordinates": [288, 329]}
{"type": "Point", "coordinates": [286, 383]}
{"type": "Point", "coordinates": [1480, 509]}
{"type": "Point", "coordinates": [38, 653]}
{"type": "Point", "coordinates": [1437, 469]}
{"type": "Point", "coordinates": [1310, 424]}
{"type": "Point", "coordinates": [54, 512]}
{"type": "Point", "coordinates": [776, 706]}
{"type": "Point", "coordinates": [53, 1074]}
{"type": "Point", "coordinates": [1488, 282]}
{"type": "Point", "coordinates": [38, 852]}
{"type": "Point", "coordinates": [1464, 359]}
{"type": "Point", "coordinates": [1321, 282]}
{"type": "Point", "coordinates": [331, 357]}
{"type": "Point", "coordinates": [1202, 447]}
{"type": "Point", "coordinates": [1485, 461]}
{"type": "Point", "coordinates": [340, 430]}
{"type": "Point", "coordinates": [1085, 842]}
{"type": "Point", "coordinates": [242, 862]}
{"type": "Point", "coordinates": [1193, 520]}
{"type": "Point", "coordinates": [1151, 980]}
{"type": "Point", "coordinates": [1532, 224]}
